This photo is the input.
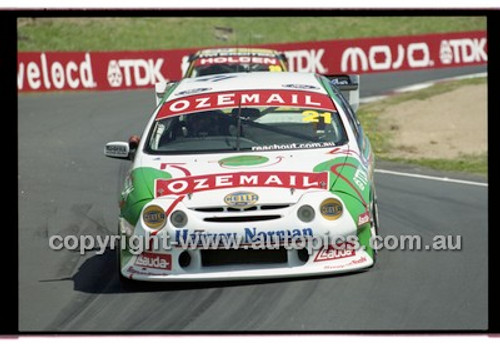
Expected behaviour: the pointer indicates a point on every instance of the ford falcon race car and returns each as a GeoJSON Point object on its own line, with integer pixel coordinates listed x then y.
{"type": "Point", "coordinates": [248, 175]}
{"type": "Point", "coordinates": [230, 60]}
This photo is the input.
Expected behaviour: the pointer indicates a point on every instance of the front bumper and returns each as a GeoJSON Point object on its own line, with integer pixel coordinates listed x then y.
{"type": "Point", "coordinates": [168, 263]}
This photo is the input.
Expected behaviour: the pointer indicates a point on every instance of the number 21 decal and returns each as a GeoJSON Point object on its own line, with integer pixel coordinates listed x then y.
{"type": "Point", "coordinates": [313, 116]}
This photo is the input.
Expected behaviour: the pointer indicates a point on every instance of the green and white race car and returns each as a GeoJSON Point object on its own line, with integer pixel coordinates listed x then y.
{"type": "Point", "coordinates": [248, 175]}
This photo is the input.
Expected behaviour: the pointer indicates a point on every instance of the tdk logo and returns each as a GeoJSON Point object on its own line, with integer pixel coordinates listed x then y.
{"type": "Point", "coordinates": [463, 51]}
{"type": "Point", "coordinates": [306, 61]}
{"type": "Point", "coordinates": [136, 72]}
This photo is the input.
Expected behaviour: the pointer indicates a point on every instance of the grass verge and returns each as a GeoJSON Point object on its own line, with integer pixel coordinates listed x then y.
{"type": "Point", "coordinates": [475, 164]}
{"type": "Point", "coordinates": [141, 33]}
{"type": "Point", "coordinates": [381, 135]}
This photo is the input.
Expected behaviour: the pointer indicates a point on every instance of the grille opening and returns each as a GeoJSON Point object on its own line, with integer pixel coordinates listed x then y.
{"type": "Point", "coordinates": [210, 209]}
{"type": "Point", "coordinates": [303, 255]}
{"type": "Point", "coordinates": [211, 258]}
{"type": "Point", "coordinates": [184, 259]}
{"type": "Point", "coordinates": [273, 207]}
{"type": "Point", "coordinates": [232, 209]}
{"type": "Point", "coordinates": [233, 219]}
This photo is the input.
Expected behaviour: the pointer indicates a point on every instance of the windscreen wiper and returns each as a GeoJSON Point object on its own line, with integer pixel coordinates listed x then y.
{"type": "Point", "coordinates": [238, 126]}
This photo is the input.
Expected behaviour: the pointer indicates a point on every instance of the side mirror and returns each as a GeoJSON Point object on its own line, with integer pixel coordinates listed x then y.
{"type": "Point", "coordinates": [117, 149]}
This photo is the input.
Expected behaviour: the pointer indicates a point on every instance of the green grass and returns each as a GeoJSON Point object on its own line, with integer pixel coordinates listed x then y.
{"type": "Point", "coordinates": [122, 33]}
{"type": "Point", "coordinates": [434, 90]}
{"type": "Point", "coordinates": [477, 164]}
{"type": "Point", "coordinates": [380, 135]}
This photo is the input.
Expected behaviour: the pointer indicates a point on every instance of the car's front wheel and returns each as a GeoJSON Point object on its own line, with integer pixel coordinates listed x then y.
{"type": "Point", "coordinates": [374, 223]}
{"type": "Point", "coordinates": [125, 282]}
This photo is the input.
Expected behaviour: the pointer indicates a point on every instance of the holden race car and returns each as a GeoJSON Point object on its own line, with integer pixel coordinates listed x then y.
{"type": "Point", "coordinates": [238, 176]}
{"type": "Point", "coordinates": [230, 60]}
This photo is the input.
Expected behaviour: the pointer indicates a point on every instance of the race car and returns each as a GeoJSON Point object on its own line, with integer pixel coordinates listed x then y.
{"type": "Point", "coordinates": [230, 60]}
{"type": "Point", "coordinates": [248, 176]}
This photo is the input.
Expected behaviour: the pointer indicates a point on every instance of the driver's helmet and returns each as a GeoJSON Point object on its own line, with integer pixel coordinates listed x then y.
{"type": "Point", "coordinates": [207, 123]}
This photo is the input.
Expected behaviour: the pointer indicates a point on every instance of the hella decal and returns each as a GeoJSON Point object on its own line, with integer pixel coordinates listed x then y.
{"type": "Point", "coordinates": [241, 199]}
{"type": "Point", "coordinates": [154, 216]}
{"type": "Point", "coordinates": [331, 209]}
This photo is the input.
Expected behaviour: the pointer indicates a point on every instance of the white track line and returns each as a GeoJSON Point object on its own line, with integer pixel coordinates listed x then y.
{"type": "Point", "coordinates": [423, 176]}
{"type": "Point", "coordinates": [420, 86]}
{"type": "Point", "coordinates": [414, 87]}
{"type": "Point", "coordinates": [430, 83]}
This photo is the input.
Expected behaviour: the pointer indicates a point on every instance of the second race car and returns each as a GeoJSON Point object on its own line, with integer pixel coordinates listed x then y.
{"type": "Point", "coordinates": [231, 60]}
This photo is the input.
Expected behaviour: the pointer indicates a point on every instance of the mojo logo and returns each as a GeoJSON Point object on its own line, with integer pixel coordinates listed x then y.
{"type": "Point", "coordinates": [134, 72]}
{"type": "Point", "coordinates": [306, 61]}
{"type": "Point", "coordinates": [463, 51]}
{"type": "Point", "coordinates": [381, 58]}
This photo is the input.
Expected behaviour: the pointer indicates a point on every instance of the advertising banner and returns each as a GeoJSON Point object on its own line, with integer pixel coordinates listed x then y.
{"type": "Point", "coordinates": [115, 70]}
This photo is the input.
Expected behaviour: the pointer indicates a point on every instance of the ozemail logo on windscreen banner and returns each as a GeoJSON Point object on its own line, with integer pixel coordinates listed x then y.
{"type": "Point", "coordinates": [205, 102]}
{"type": "Point", "coordinates": [193, 184]}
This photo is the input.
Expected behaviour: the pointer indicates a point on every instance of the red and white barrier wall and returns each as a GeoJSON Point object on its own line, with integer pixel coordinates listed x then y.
{"type": "Point", "coordinates": [54, 71]}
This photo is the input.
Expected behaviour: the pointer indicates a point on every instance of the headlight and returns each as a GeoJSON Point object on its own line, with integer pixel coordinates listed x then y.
{"type": "Point", "coordinates": [154, 217]}
{"type": "Point", "coordinates": [178, 219]}
{"type": "Point", "coordinates": [305, 213]}
{"type": "Point", "coordinates": [331, 209]}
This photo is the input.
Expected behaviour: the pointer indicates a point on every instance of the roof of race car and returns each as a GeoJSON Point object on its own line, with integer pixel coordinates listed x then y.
{"type": "Point", "coordinates": [248, 81]}
{"type": "Point", "coordinates": [236, 51]}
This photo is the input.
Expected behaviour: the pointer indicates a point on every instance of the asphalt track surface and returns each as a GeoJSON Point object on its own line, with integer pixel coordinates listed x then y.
{"type": "Point", "coordinates": [67, 186]}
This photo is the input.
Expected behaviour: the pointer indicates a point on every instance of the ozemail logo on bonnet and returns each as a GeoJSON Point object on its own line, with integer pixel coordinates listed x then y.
{"type": "Point", "coordinates": [187, 185]}
{"type": "Point", "coordinates": [203, 102]}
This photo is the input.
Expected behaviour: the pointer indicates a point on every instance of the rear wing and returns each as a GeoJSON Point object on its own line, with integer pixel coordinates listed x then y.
{"type": "Point", "coordinates": [160, 89]}
{"type": "Point", "coordinates": [348, 86]}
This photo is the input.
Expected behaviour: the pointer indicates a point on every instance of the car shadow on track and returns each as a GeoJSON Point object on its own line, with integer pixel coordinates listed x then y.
{"type": "Point", "coordinates": [99, 275]}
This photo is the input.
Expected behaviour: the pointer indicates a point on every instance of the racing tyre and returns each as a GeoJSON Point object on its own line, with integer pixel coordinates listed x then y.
{"type": "Point", "coordinates": [125, 283]}
{"type": "Point", "coordinates": [374, 223]}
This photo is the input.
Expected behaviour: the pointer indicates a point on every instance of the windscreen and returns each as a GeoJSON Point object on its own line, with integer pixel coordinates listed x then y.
{"type": "Point", "coordinates": [253, 123]}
